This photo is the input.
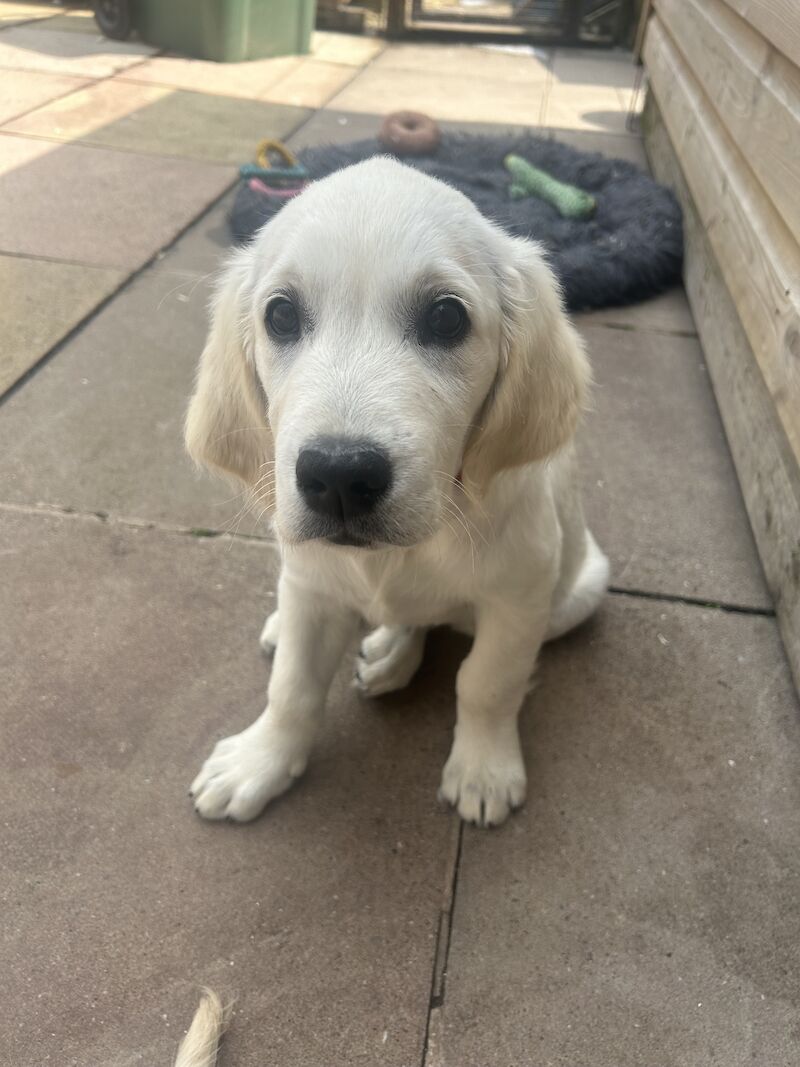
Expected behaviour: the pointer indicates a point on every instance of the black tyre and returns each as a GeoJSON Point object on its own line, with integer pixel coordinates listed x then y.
{"type": "Point", "coordinates": [113, 18]}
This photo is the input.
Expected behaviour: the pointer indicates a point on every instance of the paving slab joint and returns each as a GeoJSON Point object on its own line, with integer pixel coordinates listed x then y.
{"type": "Point", "coordinates": [131, 522]}
{"type": "Point", "coordinates": [431, 1051]}
{"type": "Point", "coordinates": [692, 601]}
{"type": "Point", "coordinates": [643, 328]}
{"type": "Point", "coordinates": [125, 284]}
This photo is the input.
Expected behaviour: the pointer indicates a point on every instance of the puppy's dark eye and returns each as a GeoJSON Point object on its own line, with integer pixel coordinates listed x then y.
{"type": "Point", "coordinates": [446, 321]}
{"type": "Point", "coordinates": [282, 319]}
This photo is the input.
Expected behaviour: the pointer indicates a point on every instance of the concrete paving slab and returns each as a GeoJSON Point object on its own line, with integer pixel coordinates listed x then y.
{"type": "Point", "coordinates": [24, 90]}
{"type": "Point", "coordinates": [12, 13]}
{"type": "Point", "coordinates": [34, 47]}
{"type": "Point", "coordinates": [667, 313]}
{"type": "Point", "coordinates": [202, 250]}
{"type": "Point", "coordinates": [97, 206]}
{"type": "Point", "coordinates": [74, 20]}
{"type": "Point", "coordinates": [132, 652]}
{"type": "Point", "coordinates": [100, 428]}
{"type": "Point", "coordinates": [43, 301]}
{"type": "Point", "coordinates": [661, 491]}
{"type": "Point", "coordinates": [464, 61]}
{"type": "Point", "coordinates": [460, 98]}
{"type": "Point", "coordinates": [616, 145]}
{"type": "Point", "coordinates": [642, 908]}
{"type": "Point", "coordinates": [312, 84]}
{"type": "Point", "coordinates": [249, 80]}
{"type": "Point", "coordinates": [586, 68]}
{"type": "Point", "coordinates": [161, 121]}
{"type": "Point", "coordinates": [98, 105]}
{"type": "Point", "coordinates": [349, 49]}
{"type": "Point", "coordinates": [334, 126]}
{"type": "Point", "coordinates": [578, 107]}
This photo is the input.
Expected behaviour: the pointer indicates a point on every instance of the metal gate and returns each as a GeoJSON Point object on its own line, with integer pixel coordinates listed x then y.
{"type": "Point", "coordinates": [556, 21]}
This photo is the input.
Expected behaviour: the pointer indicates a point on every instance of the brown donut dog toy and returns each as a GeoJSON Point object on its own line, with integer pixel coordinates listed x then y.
{"type": "Point", "coordinates": [409, 133]}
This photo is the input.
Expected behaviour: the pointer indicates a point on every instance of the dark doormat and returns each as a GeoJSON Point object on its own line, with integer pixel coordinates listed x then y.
{"type": "Point", "coordinates": [631, 249]}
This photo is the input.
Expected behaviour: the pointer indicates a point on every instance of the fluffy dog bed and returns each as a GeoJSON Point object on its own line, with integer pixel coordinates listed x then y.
{"type": "Point", "coordinates": [632, 247]}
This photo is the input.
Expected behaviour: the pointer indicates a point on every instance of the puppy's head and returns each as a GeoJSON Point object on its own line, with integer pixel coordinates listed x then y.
{"type": "Point", "coordinates": [379, 345]}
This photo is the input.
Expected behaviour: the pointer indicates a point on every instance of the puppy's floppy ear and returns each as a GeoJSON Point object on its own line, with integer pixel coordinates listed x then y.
{"type": "Point", "coordinates": [226, 424]}
{"type": "Point", "coordinates": [542, 381]}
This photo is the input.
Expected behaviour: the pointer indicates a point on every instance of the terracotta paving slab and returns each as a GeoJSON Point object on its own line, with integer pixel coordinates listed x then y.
{"type": "Point", "coordinates": [642, 908]}
{"type": "Point", "coordinates": [132, 652]}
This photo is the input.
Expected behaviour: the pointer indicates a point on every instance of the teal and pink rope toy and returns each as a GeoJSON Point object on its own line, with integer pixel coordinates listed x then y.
{"type": "Point", "coordinates": [276, 183]}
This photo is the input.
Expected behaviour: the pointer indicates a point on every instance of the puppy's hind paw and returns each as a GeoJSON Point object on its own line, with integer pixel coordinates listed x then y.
{"type": "Point", "coordinates": [388, 659]}
{"type": "Point", "coordinates": [269, 634]}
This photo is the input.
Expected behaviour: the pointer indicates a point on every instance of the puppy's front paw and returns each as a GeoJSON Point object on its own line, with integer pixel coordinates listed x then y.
{"type": "Point", "coordinates": [245, 772]}
{"type": "Point", "coordinates": [484, 782]}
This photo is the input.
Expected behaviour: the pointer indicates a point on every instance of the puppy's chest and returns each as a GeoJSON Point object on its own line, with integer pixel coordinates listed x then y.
{"type": "Point", "coordinates": [422, 590]}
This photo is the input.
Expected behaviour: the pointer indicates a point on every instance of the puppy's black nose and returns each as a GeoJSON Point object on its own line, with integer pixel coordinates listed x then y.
{"type": "Point", "coordinates": [343, 479]}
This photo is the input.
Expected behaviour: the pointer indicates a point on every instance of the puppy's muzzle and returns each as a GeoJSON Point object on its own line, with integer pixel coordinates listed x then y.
{"type": "Point", "coordinates": [341, 479]}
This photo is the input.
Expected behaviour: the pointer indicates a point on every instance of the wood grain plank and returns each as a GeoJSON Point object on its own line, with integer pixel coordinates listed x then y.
{"type": "Point", "coordinates": [769, 474]}
{"type": "Point", "coordinates": [759, 258]}
{"type": "Point", "coordinates": [755, 91]}
{"type": "Point", "coordinates": [777, 20]}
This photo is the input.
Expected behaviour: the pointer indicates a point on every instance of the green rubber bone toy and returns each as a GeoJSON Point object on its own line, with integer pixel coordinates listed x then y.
{"type": "Point", "coordinates": [527, 180]}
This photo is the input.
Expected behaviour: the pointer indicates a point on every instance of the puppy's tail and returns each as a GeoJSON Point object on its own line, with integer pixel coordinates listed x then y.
{"type": "Point", "coordinates": [200, 1046]}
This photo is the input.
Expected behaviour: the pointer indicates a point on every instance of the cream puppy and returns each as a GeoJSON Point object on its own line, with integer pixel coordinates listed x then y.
{"type": "Point", "coordinates": [395, 379]}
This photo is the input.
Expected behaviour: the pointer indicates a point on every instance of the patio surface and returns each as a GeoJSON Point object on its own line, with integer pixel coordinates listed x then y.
{"type": "Point", "coordinates": [641, 909]}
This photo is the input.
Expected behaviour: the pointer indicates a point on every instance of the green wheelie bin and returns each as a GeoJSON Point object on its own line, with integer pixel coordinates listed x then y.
{"type": "Point", "coordinates": [227, 31]}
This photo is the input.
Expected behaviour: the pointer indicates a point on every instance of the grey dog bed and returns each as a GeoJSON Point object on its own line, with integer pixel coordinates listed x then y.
{"type": "Point", "coordinates": [631, 249]}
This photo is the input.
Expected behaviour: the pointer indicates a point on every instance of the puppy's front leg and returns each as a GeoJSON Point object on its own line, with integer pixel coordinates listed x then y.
{"type": "Point", "coordinates": [247, 770]}
{"type": "Point", "coordinates": [484, 776]}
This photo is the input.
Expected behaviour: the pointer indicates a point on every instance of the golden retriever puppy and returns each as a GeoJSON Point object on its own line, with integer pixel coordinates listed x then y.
{"type": "Point", "coordinates": [395, 378]}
